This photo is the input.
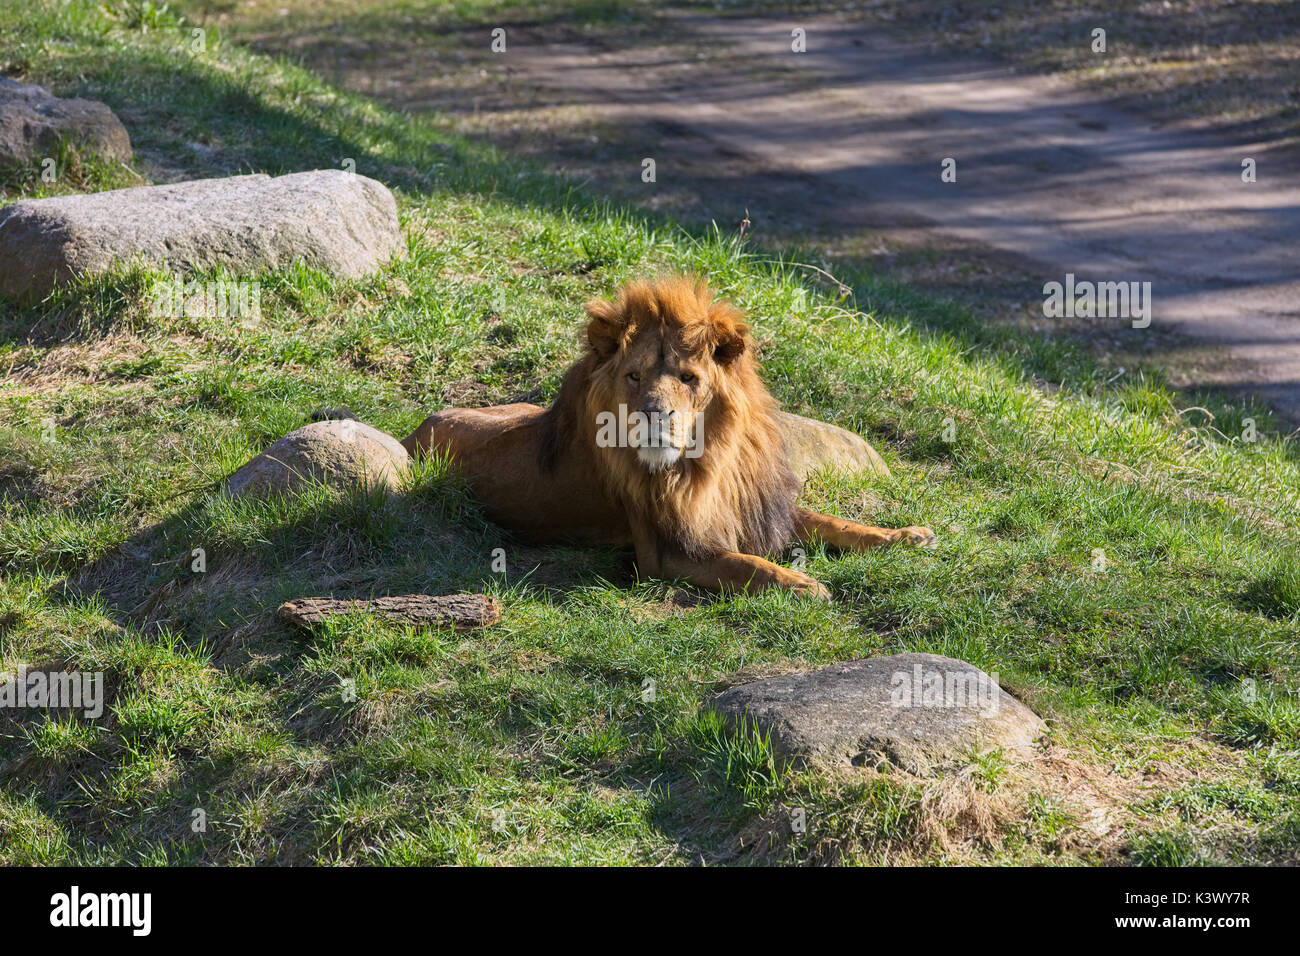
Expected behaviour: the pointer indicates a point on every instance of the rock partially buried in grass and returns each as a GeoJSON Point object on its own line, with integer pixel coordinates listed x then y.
{"type": "Point", "coordinates": [811, 445]}
{"type": "Point", "coordinates": [461, 611]}
{"type": "Point", "coordinates": [32, 124]}
{"type": "Point", "coordinates": [340, 222]}
{"type": "Point", "coordinates": [338, 453]}
{"type": "Point", "coordinates": [920, 711]}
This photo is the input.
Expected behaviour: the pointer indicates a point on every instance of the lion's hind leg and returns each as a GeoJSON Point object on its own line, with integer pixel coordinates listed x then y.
{"type": "Point", "coordinates": [464, 430]}
{"type": "Point", "coordinates": [851, 536]}
{"type": "Point", "coordinates": [422, 440]}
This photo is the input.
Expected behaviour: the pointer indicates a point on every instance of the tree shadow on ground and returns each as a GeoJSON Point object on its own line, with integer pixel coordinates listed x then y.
{"type": "Point", "coordinates": [216, 571]}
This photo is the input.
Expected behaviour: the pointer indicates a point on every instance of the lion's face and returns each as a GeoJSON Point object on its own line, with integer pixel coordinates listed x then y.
{"type": "Point", "coordinates": [665, 357]}
{"type": "Point", "coordinates": [665, 389]}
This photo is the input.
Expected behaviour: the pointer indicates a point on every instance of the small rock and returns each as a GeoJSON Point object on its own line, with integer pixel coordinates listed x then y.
{"type": "Point", "coordinates": [920, 711]}
{"type": "Point", "coordinates": [461, 611]}
{"type": "Point", "coordinates": [811, 445]}
{"type": "Point", "coordinates": [338, 453]}
{"type": "Point", "coordinates": [32, 122]}
{"type": "Point", "coordinates": [341, 222]}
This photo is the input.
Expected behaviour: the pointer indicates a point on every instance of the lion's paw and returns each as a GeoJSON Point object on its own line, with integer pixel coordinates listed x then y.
{"type": "Point", "coordinates": [918, 537]}
{"type": "Point", "coordinates": [807, 587]}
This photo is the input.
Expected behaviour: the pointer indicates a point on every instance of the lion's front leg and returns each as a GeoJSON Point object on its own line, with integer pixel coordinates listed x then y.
{"type": "Point", "coordinates": [851, 536]}
{"type": "Point", "coordinates": [729, 572]}
{"type": "Point", "coordinates": [732, 572]}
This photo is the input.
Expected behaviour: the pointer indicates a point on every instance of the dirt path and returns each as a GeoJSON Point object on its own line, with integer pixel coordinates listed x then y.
{"type": "Point", "coordinates": [856, 129]}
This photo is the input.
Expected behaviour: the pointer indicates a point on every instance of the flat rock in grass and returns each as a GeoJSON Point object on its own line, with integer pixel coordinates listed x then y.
{"type": "Point", "coordinates": [461, 611]}
{"type": "Point", "coordinates": [811, 445]}
{"type": "Point", "coordinates": [32, 124]}
{"type": "Point", "coordinates": [338, 453]}
{"type": "Point", "coordinates": [920, 711]}
{"type": "Point", "coordinates": [340, 222]}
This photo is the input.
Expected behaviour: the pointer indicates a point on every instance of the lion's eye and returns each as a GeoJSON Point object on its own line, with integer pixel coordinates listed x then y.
{"type": "Point", "coordinates": [633, 376]}
{"type": "Point", "coordinates": [687, 377]}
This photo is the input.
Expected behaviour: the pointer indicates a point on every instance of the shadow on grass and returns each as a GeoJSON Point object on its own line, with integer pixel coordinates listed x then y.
{"type": "Point", "coordinates": [193, 600]}
{"type": "Point", "coordinates": [215, 571]}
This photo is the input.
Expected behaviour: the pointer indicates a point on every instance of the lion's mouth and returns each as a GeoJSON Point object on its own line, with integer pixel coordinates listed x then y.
{"type": "Point", "coordinates": [658, 457]}
{"type": "Point", "coordinates": [665, 441]}
{"type": "Point", "coordinates": [659, 439]}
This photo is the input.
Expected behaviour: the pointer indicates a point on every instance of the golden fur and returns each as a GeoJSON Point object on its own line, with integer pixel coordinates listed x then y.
{"type": "Point", "coordinates": [739, 495]}
{"type": "Point", "coordinates": [711, 501]}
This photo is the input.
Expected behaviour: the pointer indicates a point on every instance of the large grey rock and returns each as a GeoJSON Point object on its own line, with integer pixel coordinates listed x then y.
{"type": "Point", "coordinates": [338, 453]}
{"type": "Point", "coordinates": [887, 707]}
{"type": "Point", "coordinates": [32, 122]}
{"type": "Point", "coordinates": [811, 445]}
{"type": "Point", "coordinates": [337, 221]}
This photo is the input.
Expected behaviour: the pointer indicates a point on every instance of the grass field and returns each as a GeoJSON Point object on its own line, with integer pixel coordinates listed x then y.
{"type": "Point", "coordinates": [1127, 564]}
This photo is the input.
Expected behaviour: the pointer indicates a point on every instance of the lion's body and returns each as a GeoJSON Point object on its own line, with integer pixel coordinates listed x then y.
{"type": "Point", "coordinates": [499, 451]}
{"type": "Point", "coordinates": [708, 496]}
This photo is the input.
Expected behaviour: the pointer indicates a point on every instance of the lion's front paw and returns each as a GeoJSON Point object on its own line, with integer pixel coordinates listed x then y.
{"type": "Point", "coordinates": [805, 586]}
{"type": "Point", "coordinates": [918, 537]}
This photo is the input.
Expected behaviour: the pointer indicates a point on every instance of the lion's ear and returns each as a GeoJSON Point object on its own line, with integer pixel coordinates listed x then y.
{"type": "Point", "coordinates": [606, 328]}
{"type": "Point", "coordinates": [730, 333]}
{"type": "Point", "coordinates": [729, 349]}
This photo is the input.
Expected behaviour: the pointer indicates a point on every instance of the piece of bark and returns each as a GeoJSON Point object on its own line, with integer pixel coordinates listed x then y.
{"type": "Point", "coordinates": [461, 611]}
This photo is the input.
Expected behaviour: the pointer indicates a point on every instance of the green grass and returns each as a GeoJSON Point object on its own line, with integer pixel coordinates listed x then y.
{"type": "Point", "coordinates": [1167, 669]}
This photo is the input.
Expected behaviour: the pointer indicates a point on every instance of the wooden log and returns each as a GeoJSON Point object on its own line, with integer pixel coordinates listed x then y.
{"type": "Point", "coordinates": [461, 611]}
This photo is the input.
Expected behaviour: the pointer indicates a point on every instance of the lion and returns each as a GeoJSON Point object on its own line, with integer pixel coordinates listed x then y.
{"type": "Point", "coordinates": [660, 439]}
